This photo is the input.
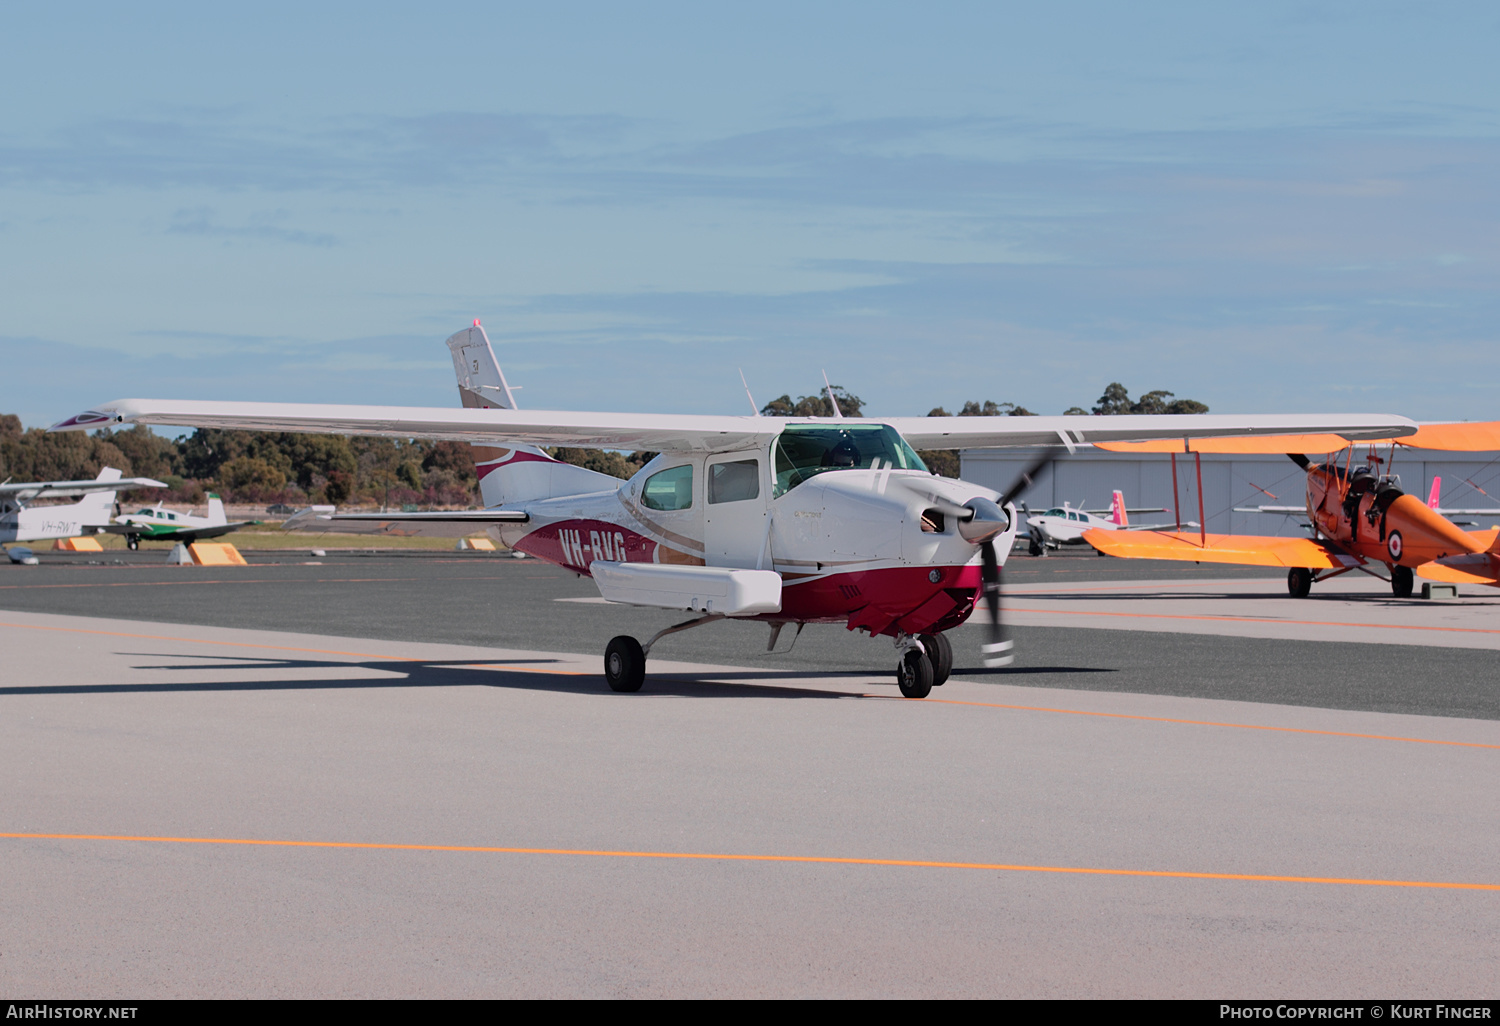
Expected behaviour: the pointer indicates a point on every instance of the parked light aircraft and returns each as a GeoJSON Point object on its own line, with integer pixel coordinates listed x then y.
{"type": "Point", "coordinates": [1065, 525]}
{"type": "Point", "coordinates": [21, 521]}
{"type": "Point", "coordinates": [157, 523]}
{"type": "Point", "coordinates": [1361, 519]}
{"type": "Point", "coordinates": [783, 520]}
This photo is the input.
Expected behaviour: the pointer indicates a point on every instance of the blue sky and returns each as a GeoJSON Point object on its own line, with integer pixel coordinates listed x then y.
{"type": "Point", "coordinates": [1270, 207]}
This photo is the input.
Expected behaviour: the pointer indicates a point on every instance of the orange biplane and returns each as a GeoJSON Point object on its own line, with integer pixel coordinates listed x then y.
{"type": "Point", "coordinates": [1360, 519]}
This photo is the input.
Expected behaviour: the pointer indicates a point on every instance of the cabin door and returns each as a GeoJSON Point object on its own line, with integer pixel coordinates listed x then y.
{"type": "Point", "coordinates": [736, 497]}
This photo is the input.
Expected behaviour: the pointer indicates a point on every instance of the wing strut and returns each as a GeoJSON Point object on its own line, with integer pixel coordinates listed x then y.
{"type": "Point", "coordinates": [1202, 525]}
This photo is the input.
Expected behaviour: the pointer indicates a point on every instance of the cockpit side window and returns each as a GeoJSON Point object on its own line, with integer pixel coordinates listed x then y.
{"type": "Point", "coordinates": [804, 451]}
{"type": "Point", "coordinates": [734, 482]}
{"type": "Point", "coordinates": [669, 489]}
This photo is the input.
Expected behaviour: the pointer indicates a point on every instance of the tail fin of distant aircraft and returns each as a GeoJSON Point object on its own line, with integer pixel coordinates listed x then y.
{"type": "Point", "coordinates": [1432, 496]}
{"type": "Point", "coordinates": [216, 511]}
{"type": "Point", "coordinates": [517, 472]}
{"type": "Point", "coordinates": [1120, 517]}
{"type": "Point", "coordinates": [97, 507]}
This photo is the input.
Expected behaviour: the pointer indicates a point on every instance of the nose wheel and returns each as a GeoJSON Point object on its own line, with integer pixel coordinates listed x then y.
{"type": "Point", "coordinates": [914, 675]}
{"type": "Point", "coordinates": [940, 651]}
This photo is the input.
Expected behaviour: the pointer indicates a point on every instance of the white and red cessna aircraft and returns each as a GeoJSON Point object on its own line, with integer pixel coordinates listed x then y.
{"type": "Point", "coordinates": [783, 520]}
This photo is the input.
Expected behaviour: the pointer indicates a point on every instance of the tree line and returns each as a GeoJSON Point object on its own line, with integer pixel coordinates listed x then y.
{"type": "Point", "coordinates": [296, 469]}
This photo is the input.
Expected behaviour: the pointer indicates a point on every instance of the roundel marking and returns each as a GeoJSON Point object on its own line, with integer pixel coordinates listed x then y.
{"type": "Point", "coordinates": [1393, 545]}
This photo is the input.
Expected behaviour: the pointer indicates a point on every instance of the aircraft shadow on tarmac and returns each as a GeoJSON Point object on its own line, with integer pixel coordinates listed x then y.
{"type": "Point", "coordinates": [490, 673]}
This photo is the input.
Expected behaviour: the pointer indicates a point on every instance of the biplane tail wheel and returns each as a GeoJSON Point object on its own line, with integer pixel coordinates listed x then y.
{"type": "Point", "coordinates": [624, 664]}
{"type": "Point", "coordinates": [1299, 582]}
{"type": "Point", "coordinates": [1402, 580]}
{"type": "Point", "coordinates": [914, 675]}
{"type": "Point", "coordinates": [940, 651]}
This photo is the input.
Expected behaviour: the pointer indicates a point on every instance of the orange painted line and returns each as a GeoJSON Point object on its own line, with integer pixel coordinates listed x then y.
{"type": "Point", "coordinates": [821, 859]}
{"type": "Point", "coordinates": [251, 644]}
{"type": "Point", "coordinates": [1256, 619]}
{"type": "Point", "coordinates": [1204, 723]}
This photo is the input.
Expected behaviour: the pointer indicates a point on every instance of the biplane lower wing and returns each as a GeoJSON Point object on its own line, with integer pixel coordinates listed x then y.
{"type": "Point", "coordinates": [1478, 568]}
{"type": "Point", "coordinates": [1242, 549]}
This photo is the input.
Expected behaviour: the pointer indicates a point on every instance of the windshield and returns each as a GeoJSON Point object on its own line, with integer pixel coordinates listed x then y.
{"type": "Point", "coordinates": [805, 450]}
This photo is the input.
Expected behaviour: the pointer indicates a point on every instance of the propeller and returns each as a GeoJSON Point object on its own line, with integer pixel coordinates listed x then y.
{"type": "Point", "coordinates": [987, 521]}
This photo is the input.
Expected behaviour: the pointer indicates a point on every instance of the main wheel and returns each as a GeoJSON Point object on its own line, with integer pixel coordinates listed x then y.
{"type": "Point", "coordinates": [132, 542]}
{"type": "Point", "coordinates": [940, 651]}
{"type": "Point", "coordinates": [914, 675]}
{"type": "Point", "coordinates": [624, 664]}
{"type": "Point", "coordinates": [1402, 580]}
{"type": "Point", "coordinates": [1299, 582]}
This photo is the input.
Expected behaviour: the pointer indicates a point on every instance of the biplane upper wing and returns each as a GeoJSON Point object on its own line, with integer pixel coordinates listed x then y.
{"type": "Point", "coordinates": [1243, 549]}
{"type": "Point", "coordinates": [664, 432]}
{"type": "Point", "coordinates": [1476, 437]}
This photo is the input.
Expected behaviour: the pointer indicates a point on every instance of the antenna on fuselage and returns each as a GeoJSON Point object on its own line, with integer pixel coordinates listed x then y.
{"type": "Point", "coordinates": [831, 399]}
{"type": "Point", "coordinates": [753, 408]}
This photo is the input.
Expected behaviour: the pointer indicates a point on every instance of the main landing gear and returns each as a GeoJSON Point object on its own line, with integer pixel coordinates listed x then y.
{"type": "Point", "coordinates": [132, 542]}
{"type": "Point", "coordinates": [1402, 580]}
{"type": "Point", "coordinates": [925, 661]}
{"type": "Point", "coordinates": [625, 658]}
{"type": "Point", "coordinates": [1299, 580]}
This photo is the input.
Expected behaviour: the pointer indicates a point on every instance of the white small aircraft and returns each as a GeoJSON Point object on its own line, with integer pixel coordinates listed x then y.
{"type": "Point", "coordinates": [156, 523]}
{"type": "Point", "coordinates": [21, 522]}
{"type": "Point", "coordinates": [1064, 525]}
{"type": "Point", "coordinates": [791, 520]}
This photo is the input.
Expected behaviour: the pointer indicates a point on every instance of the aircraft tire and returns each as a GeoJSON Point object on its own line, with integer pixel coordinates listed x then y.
{"type": "Point", "coordinates": [624, 664]}
{"type": "Point", "coordinates": [940, 651]}
{"type": "Point", "coordinates": [1402, 581]}
{"type": "Point", "coordinates": [1299, 581]}
{"type": "Point", "coordinates": [132, 542]}
{"type": "Point", "coordinates": [1035, 548]}
{"type": "Point", "coordinates": [914, 675]}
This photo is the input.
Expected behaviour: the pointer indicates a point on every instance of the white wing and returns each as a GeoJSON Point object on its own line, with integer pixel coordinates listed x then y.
{"type": "Point", "coordinates": [666, 432]}
{"type": "Point", "coordinates": [25, 491]}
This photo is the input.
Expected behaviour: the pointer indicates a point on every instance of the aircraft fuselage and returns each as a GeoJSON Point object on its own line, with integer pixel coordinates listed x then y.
{"type": "Point", "coordinates": [869, 548]}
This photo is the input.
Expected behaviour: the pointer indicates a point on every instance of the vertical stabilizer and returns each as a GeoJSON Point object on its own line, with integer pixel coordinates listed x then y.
{"type": "Point", "coordinates": [481, 383]}
{"type": "Point", "coordinates": [216, 515]}
{"type": "Point", "coordinates": [1437, 490]}
{"type": "Point", "coordinates": [510, 472]}
{"type": "Point", "coordinates": [1120, 517]}
{"type": "Point", "coordinates": [96, 508]}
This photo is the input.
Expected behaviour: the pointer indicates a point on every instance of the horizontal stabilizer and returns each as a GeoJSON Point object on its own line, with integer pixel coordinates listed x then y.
{"type": "Point", "coordinates": [441, 524]}
{"type": "Point", "coordinates": [1242, 549]}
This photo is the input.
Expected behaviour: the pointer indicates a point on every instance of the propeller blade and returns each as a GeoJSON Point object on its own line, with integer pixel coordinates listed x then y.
{"type": "Point", "coordinates": [999, 650]}
{"type": "Point", "coordinates": [1025, 481]}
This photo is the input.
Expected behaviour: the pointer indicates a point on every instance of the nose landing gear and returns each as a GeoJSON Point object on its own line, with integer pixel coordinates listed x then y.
{"type": "Point", "coordinates": [914, 674]}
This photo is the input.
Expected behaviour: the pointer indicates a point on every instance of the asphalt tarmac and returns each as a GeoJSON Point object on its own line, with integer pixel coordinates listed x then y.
{"type": "Point", "coordinates": [403, 776]}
